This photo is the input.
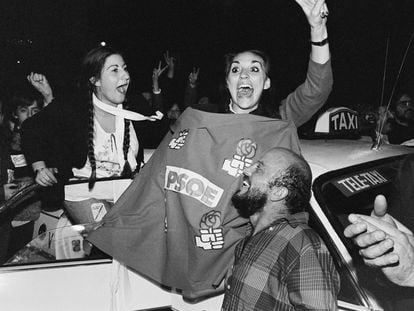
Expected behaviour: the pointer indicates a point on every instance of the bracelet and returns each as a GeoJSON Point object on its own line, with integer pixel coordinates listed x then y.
{"type": "Point", "coordinates": [320, 43]}
{"type": "Point", "coordinates": [156, 92]}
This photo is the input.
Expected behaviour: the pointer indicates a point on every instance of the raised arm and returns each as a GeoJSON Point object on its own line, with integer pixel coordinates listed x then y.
{"type": "Point", "coordinates": [170, 61]}
{"type": "Point", "coordinates": [311, 95]}
{"type": "Point", "coordinates": [157, 99]}
{"type": "Point", "coordinates": [316, 13]}
{"type": "Point", "coordinates": [191, 92]}
{"type": "Point", "coordinates": [40, 83]}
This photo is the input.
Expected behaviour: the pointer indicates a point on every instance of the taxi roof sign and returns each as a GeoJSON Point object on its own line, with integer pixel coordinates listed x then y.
{"type": "Point", "coordinates": [340, 121]}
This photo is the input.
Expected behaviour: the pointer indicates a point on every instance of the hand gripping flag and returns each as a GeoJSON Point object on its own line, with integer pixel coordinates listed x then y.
{"type": "Point", "coordinates": [175, 224]}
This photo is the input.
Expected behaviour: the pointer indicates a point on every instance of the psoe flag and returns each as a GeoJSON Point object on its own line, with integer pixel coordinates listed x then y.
{"type": "Point", "coordinates": [175, 223]}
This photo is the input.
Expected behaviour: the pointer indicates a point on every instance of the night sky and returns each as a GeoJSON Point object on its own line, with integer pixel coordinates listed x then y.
{"type": "Point", "coordinates": [50, 36]}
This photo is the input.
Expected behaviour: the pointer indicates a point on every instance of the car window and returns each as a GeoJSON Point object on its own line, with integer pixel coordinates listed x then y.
{"type": "Point", "coordinates": [35, 228]}
{"type": "Point", "coordinates": [353, 190]}
{"type": "Point", "coordinates": [66, 244]}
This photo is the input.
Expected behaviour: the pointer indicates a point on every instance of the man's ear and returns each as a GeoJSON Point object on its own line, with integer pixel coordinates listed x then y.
{"type": "Point", "coordinates": [267, 83]}
{"type": "Point", "coordinates": [278, 193]}
{"type": "Point", "coordinates": [94, 81]}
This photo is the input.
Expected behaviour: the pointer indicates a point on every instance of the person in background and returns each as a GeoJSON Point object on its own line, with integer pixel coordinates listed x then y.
{"type": "Point", "coordinates": [162, 84]}
{"type": "Point", "coordinates": [15, 171]}
{"type": "Point", "coordinates": [173, 113]}
{"type": "Point", "coordinates": [5, 227]}
{"type": "Point", "coordinates": [153, 100]}
{"type": "Point", "coordinates": [149, 133]}
{"type": "Point", "coordinates": [191, 89]}
{"type": "Point", "coordinates": [398, 124]}
{"type": "Point", "coordinates": [282, 264]}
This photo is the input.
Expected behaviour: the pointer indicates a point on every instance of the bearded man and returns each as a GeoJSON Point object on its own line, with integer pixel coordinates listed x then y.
{"type": "Point", "coordinates": [282, 264]}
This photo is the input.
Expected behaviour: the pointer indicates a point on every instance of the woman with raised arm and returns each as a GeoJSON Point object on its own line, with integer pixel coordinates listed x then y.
{"type": "Point", "coordinates": [247, 75]}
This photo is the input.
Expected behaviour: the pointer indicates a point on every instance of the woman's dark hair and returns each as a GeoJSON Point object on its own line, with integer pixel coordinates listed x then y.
{"type": "Point", "coordinates": [91, 69]}
{"type": "Point", "coordinates": [228, 60]}
{"type": "Point", "coordinates": [266, 103]}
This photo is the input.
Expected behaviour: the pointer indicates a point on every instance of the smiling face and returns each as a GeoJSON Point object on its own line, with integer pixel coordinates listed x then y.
{"type": "Point", "coordinates": [261, 173]}
{"type": "Point", "coordinates": [246, 80]}
{"type": "Point", "coordinates": [256, 188]}
{"type": "Point", "coordinates": [112, 84]}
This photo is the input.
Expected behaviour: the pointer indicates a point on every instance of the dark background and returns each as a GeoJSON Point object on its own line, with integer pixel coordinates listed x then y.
{"type": "Point", "coordinates": [50, 36]}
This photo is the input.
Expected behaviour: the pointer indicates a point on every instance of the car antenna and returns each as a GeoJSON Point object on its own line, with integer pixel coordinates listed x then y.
{"type": "Point", "coordinates": [377, 141]}
{"type": "Point", "coordinates": [380, 126]}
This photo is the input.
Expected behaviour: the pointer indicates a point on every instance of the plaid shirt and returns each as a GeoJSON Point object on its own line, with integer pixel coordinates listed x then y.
{"type": "Point", "coordinates": [286, 266]}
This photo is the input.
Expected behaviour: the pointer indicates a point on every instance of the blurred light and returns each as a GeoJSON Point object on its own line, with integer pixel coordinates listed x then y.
{"type": "Point", "coordinates": [18, 62]}
{"type": "Point", "coordinates": [78, 228]}
{"type": "Point", "coordinates": [103, 43]}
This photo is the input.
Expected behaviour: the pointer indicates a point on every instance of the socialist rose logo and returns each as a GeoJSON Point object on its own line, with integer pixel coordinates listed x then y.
{"type": "Point", "coordinates": [211, 220]}
{"type": "Point", "coordinates": [246, 147]}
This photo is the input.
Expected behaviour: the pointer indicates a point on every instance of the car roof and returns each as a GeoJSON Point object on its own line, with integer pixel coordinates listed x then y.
{"type": "Point", "coordinates": [328, 155]}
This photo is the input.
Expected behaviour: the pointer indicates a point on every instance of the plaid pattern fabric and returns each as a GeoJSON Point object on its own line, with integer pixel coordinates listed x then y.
{"type": "Point", "coordinates": [283, 267]}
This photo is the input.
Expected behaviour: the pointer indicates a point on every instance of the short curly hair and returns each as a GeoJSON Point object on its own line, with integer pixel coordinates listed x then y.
{"type": "Point", "coordinates": [297, 178]}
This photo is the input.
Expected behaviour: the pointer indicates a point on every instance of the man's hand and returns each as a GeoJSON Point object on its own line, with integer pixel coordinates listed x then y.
{"type": "Point", "coordinates": [40, 83]}
{"type": "Point", "coordinates": [384, 243]}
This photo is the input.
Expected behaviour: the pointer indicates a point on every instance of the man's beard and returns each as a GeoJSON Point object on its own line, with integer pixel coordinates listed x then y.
{"type": "Point", "coordinates": [249, 202]}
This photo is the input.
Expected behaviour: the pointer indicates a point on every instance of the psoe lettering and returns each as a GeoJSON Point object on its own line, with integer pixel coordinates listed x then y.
{"type": "Point", "coordinates": [189, 183]}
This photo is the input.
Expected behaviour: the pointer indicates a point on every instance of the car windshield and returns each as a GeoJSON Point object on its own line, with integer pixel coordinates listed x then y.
{"type": "Point", "coordinates": [353, 190]}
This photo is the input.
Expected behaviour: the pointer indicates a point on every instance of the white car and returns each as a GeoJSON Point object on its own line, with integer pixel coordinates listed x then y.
{"type": "Point", "coordinates": [347, 174]}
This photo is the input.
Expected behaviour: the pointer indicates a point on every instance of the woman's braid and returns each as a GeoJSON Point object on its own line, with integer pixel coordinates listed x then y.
{"type": "Point", "coordinates": [127, 167]}
{"type": "Point", "coordinates": [91, 151]}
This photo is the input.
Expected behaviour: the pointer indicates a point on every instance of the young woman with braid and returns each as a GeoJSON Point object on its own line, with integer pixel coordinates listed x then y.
{"type": "Point", "coordinates": [89, 136]}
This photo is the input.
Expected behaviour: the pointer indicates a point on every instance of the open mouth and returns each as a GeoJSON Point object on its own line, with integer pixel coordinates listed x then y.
{"type": "Point", "coordinates": [123, 88]}
{"type": "Point", "coordinates": [245, 183]}
{"type": "Point", "coordinates": [244, 90]}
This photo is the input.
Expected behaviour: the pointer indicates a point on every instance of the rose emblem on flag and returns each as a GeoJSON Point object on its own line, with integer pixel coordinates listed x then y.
{"type": "Point", "coordinates": [211, 220]}
{"type": "Point", "coordinates": [247, 148]}
{"type": "Point", "coordinates": [211, 233]}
